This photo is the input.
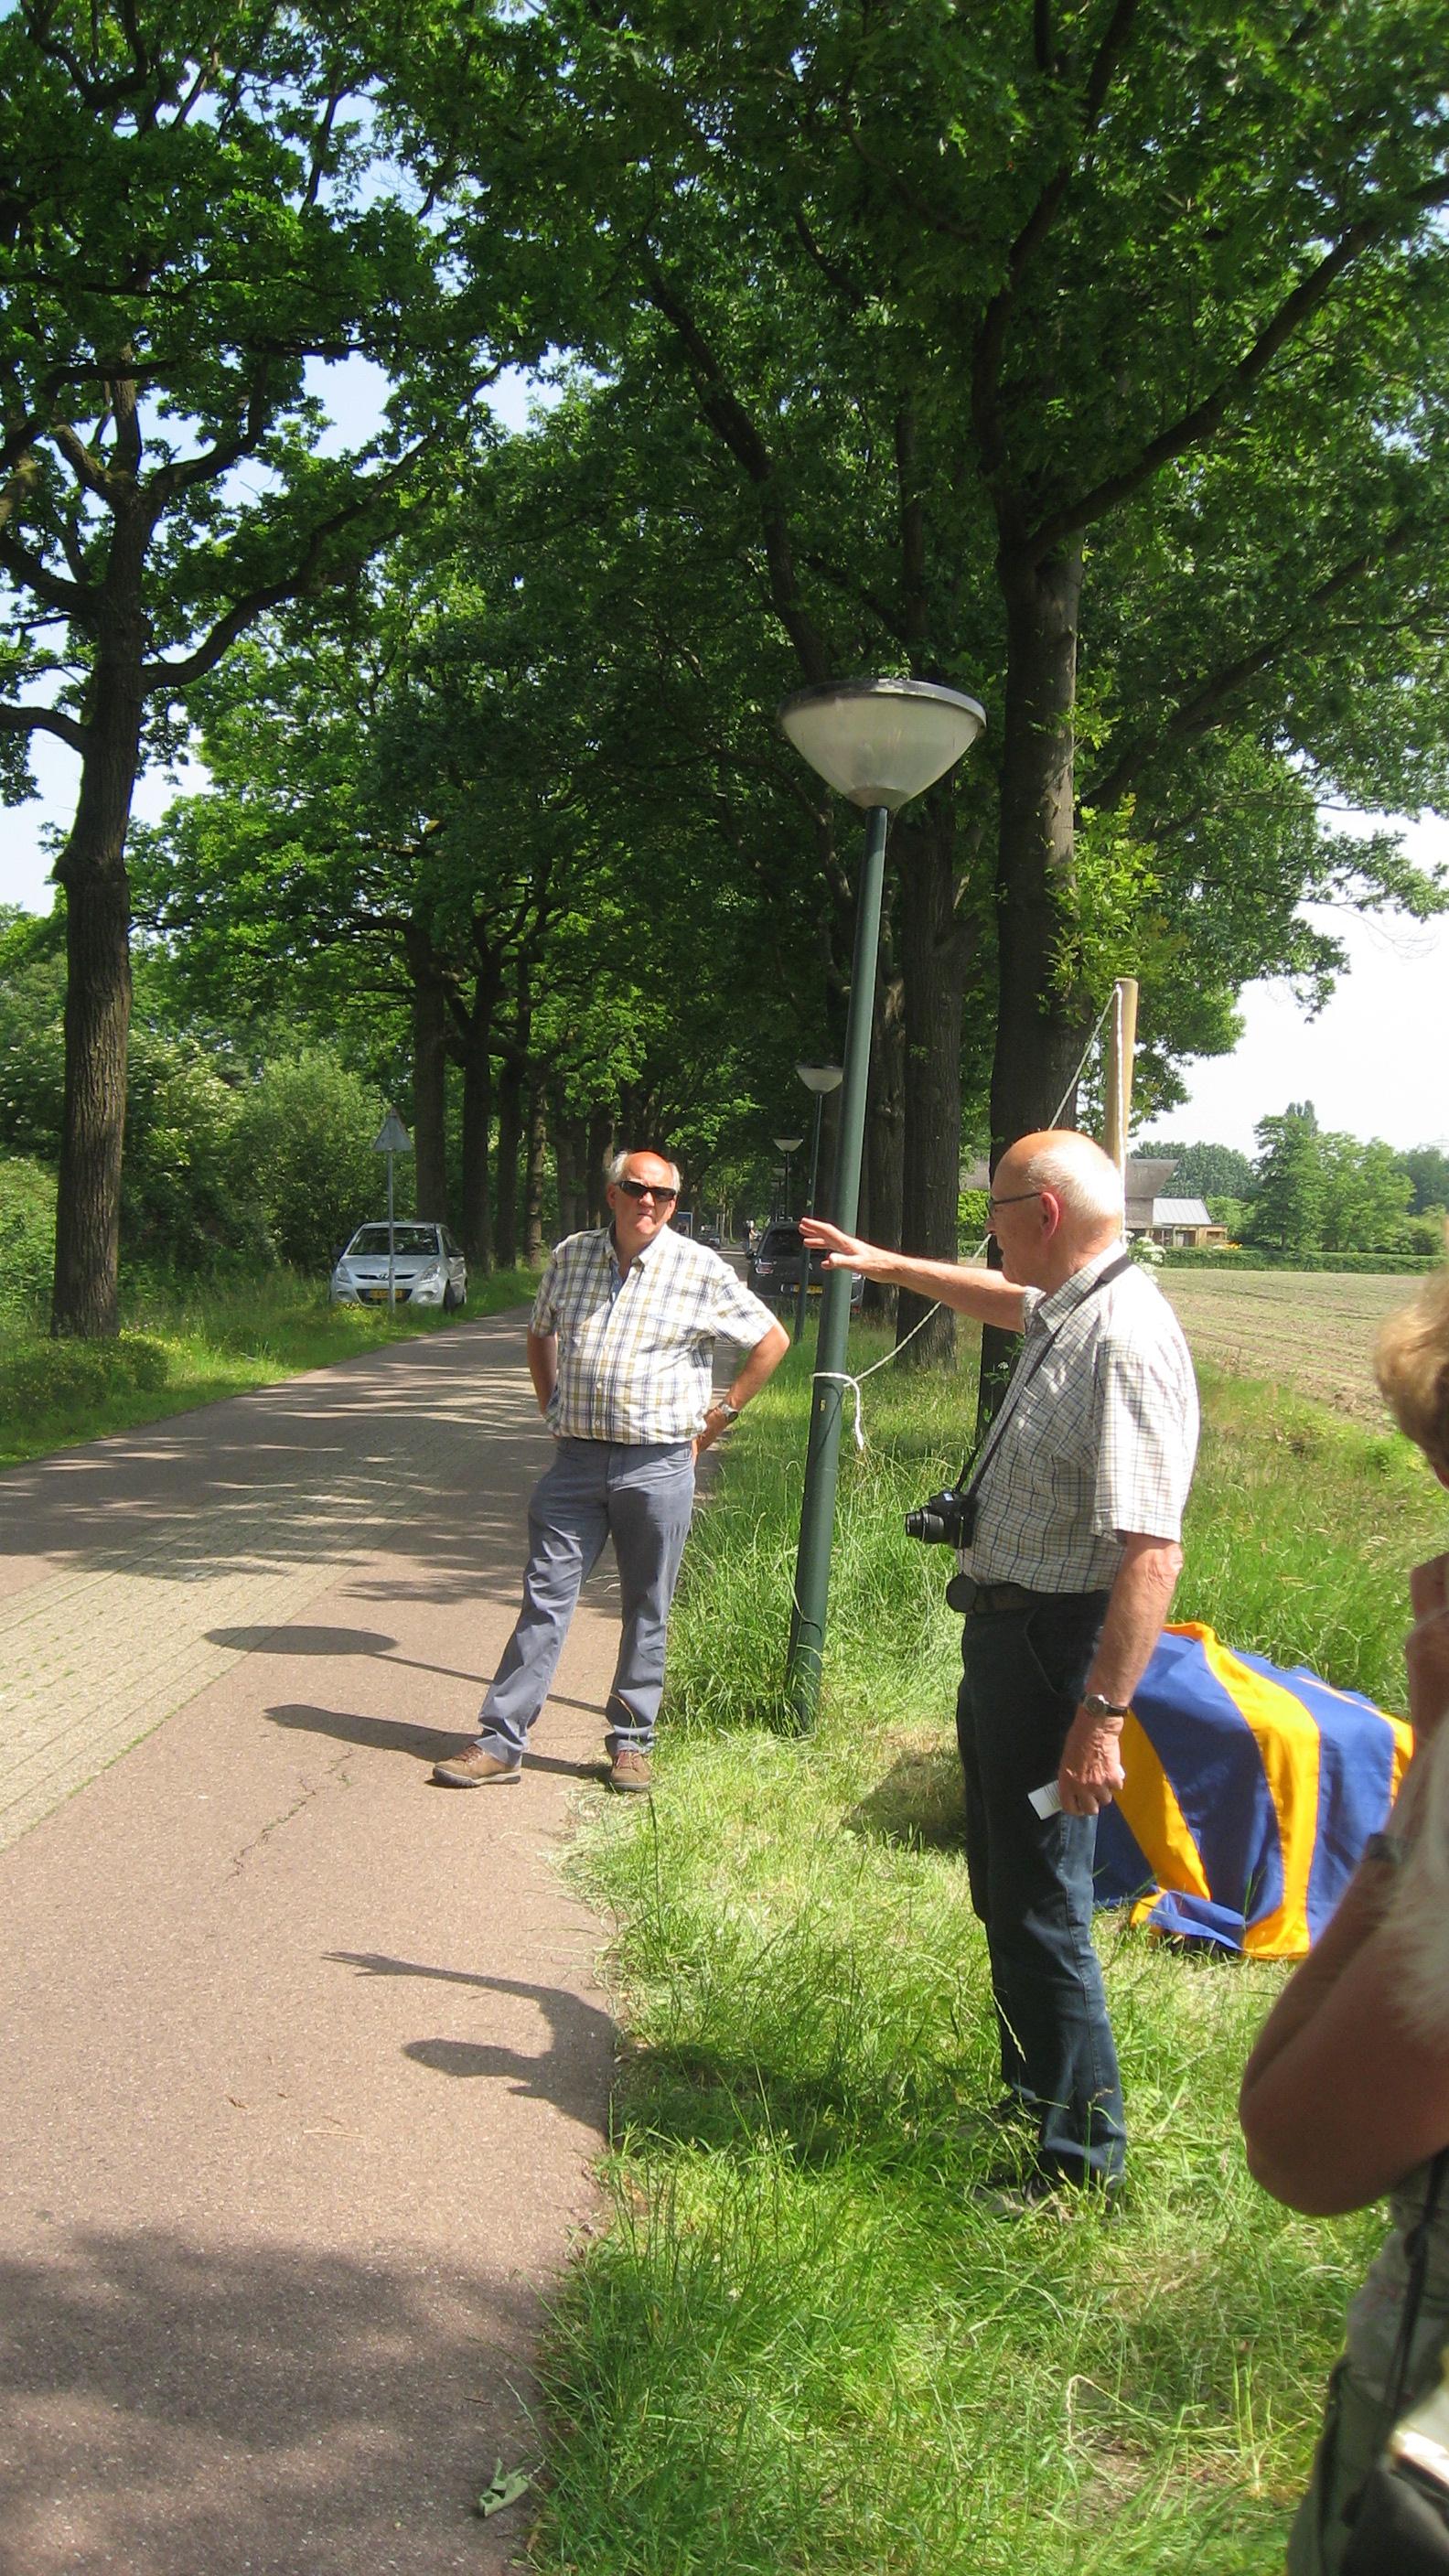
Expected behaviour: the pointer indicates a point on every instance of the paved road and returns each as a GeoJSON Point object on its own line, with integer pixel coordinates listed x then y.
{"type": "Point", "coordinates": [305, 2065]}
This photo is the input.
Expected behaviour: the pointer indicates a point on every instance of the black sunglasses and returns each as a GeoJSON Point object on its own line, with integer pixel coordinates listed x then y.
{"type": "Point", "coordinates": [648, 1190]}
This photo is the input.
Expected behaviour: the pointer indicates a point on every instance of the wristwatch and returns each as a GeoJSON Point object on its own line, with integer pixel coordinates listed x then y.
{"type": "Point", "coordinates": [1096, 1706]}
{"type": "Point", "coordinates": [723, 1405]}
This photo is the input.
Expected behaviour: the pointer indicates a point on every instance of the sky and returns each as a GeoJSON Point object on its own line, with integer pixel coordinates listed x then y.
{"type": "Point", "coordinates": [1375, 1061]}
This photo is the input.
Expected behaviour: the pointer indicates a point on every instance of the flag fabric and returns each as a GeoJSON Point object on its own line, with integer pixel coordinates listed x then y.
{"type": "Point", "coordinates": [1250, 1793]}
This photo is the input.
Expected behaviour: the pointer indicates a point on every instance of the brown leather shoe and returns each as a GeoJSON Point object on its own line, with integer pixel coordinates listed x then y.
{"type": "Point", "coordinates": [475, 1769]}
{"type": "Point", "coordinates": [630, 1770]}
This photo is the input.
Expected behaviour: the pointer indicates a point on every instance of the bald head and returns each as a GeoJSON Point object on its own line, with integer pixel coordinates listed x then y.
{"type": "Point", "coordinates": [1085, 1212]}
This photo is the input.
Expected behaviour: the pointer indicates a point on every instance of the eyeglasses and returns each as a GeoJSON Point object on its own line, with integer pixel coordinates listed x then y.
{"type": "Point", "coordinates": [1014, 1199]}
{"type": "Point", "coordinates": [648, 1190]}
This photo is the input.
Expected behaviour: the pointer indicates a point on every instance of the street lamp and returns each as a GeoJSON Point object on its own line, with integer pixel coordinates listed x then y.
{"type": "Point", "coordinates": [787, 1145]}
{"type": "Point", "coordinates": [880, 742]}
{"type": "Point", "coordinates": [818, 1078]}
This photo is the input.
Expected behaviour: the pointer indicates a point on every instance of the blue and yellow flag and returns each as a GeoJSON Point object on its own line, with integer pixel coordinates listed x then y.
{"type": "Point", "coordinates": [1250, 1793]}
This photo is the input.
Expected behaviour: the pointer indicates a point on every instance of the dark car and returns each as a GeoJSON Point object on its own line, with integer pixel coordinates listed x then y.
{"type": "Point", "coordinates": [775, 1268]}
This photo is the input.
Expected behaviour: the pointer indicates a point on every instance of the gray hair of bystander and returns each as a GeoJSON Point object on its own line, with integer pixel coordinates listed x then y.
{"type": "Point", "coordinates": [1086, 1180]}
{"type": "Point", "coordinates": [614, 1168]}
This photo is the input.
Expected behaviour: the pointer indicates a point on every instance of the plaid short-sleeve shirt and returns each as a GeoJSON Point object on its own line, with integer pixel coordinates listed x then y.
{"type": "Point", "coordinates": [635, 1354]}
{"type": "Point", "coordinates": [1101, 1444]}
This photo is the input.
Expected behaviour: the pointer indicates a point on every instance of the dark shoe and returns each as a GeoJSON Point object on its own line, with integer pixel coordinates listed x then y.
{"type": "Point", "coordinates": [1025, 2195]}
{"type": "Point", "coordinates": [1014, 2110]}
{"type": "Point", "coordinates": [476, 1769]}
{"type": "Point", "coordinates": [630, 1770]}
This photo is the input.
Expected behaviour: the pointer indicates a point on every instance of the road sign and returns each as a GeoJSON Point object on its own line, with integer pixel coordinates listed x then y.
{"type": "Point", "coordinates": [392, 1137]}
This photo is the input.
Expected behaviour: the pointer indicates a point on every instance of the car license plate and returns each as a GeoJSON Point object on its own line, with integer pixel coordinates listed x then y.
{"type": "Point", "coordinates": [378, 1296]}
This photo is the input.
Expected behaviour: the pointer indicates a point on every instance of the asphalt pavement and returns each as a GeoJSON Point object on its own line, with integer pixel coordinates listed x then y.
{"type": "Point", "coordinates": [305, 2061]}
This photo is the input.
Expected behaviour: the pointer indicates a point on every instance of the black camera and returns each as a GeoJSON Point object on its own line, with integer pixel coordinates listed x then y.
{"type": "Point", "coordinates": [947, 1519]}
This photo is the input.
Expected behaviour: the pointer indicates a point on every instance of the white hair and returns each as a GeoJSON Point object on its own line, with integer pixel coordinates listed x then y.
{"type": "Point", "coordinates": [1085, 1179]}
{"type": "Point", "coordinates": [614, 1168]}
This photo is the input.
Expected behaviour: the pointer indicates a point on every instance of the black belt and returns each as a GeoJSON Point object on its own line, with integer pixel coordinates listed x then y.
{"type": "Point", "coordinates": [973, 1598]}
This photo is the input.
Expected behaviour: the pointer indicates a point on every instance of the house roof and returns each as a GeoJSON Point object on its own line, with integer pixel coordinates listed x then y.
{"type": "Point", "coordinates": [1179, 1212]}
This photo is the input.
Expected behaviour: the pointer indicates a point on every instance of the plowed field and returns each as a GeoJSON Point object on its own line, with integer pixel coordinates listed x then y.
{"type": "Point", "coordinates": [1314, 1330]}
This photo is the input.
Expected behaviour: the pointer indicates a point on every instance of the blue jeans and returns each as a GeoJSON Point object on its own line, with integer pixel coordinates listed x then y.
{"type": "Point", "coordinates": [640, 1494]}
{"type": "Point", "coordinates": [1031, 1878]}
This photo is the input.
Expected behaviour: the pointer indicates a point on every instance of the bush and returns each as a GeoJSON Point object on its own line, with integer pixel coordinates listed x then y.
{"type": "Point", "coordinates": [43, 1377]}
{"type": "Point", "coordinates": [27, 1238]}
{"type": "Point", "coordinates": [303, 1148]}
{"type": "Point", "coordinates": [1257, 1256]}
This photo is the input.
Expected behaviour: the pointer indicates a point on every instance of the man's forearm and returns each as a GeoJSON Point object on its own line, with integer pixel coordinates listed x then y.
{"type": "Point", "coordinates": [1136, 1613]}
{"type": "Point", "coordinates": [1091, 1766]}
{"type": "Point", "coordinates": [543, 1366]}
{"type": "Point", "coordinates": [982, 1294]}
{"type": "Point", "coordinates": [762, 1363]}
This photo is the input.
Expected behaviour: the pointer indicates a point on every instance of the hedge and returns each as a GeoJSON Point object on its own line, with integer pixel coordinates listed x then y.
{"type": "Point", "coordinates": [1264, 1257]}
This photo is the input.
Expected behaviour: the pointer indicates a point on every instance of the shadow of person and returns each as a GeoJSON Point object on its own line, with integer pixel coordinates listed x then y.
{"type": "Point", "coordinates": [564, 2073]}
{"type": "Point", "coordinates": [376, 1734]}
{"type": "Point", "coordinates": [918, 1802]}
{"type": "Point", "coordinates": [422, 1743]}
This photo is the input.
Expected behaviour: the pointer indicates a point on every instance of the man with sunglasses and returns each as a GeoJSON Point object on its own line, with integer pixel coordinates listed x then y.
{"type": "Point", "coordinates": [1066, 1576]}
{"type": "Point", "coordinates": [620, 1351]}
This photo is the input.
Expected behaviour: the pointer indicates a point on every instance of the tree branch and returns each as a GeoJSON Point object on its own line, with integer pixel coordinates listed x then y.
{"type": "Point", "coordinates": [27, 572]}
{"type": "Point", "coordinates": [991, 338]}
{"type": "Point", "coordinates": [731, 423]}
{"type": "Point", "coordinates": [28, 720]}
{"type": "Point", "coordinates": [1196, 715]}
{"type": "Point", "coordinates": [1205, 417]}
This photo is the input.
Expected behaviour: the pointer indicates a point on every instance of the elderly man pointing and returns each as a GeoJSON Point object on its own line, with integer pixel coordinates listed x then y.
{"type": "Point", "coordinates": [1065, 1579]}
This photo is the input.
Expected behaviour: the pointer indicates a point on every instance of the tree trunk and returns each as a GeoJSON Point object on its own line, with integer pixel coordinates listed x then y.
{"type": "Point", "coordinates": [430, 1071]}
{"type": "Point", "coordinates": [535, 1158]}
{"type": "Point", "coordinates": [510, 1139]}
{"type": "Point", "coordinates": [880, 1216]}
{"type": "Point", "coordinates": [601, 1144]}
{"type": "Point", "coordinates": [1040, 1024]}
{"type": "Point", "coordinates": [92, 870]}
{"type": "Point", "coordinates": [571, 1155]}
{"type": "Point", "coordinates": [477, 1228]}
{"type": "Point", "coordinates": [934, 955]}
{"type": "Point", "coordinates": [1039, 1028]}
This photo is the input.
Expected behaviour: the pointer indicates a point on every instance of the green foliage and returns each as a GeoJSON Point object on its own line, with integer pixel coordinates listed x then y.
{"type": "Point", "coordinates": [1318, 1191]}
{"type": "Point", "coordinates": [27, 1238]}
{"type": "Point", "coordinates": [1290, 1191]}
{"type": "Point", "coordinates": [67, 1379]}
{"type": "Point", "coordinates": [1262, 1256]}
{"type": "Point", "coordinates": [1428, 1169]}
{"type": "Point", "coordinates": [302, 1153]}
{"type": "Point", "coordinates": [1205, 1171]}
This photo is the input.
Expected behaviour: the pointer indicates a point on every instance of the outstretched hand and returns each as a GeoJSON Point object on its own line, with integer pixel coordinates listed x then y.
{"type": "Point", "coordinates": [842, 1251]}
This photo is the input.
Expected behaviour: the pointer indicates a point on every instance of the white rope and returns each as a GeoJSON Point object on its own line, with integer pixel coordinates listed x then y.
{"type": "Point", "coordinates": [842, 1377]}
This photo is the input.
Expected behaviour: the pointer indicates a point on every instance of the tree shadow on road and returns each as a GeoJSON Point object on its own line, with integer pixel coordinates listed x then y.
{"type": "Point", "coordinates": [181, 2407]}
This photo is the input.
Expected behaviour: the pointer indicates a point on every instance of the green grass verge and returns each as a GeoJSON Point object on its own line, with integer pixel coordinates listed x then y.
{"type": "Point", "coordinates": [190, 1346]}
{"type": "Point", "coordinates": [800, 2345]}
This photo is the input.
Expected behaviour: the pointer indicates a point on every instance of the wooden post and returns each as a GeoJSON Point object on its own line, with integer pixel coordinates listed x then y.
{"type": "Point", "coordinates": [1122, 1035]}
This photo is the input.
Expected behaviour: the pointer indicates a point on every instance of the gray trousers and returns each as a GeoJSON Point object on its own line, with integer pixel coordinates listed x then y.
{"type": "Point", "coordinates": [639, 1494]}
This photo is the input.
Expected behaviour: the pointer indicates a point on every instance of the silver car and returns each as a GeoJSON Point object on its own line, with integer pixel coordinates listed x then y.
{"type": "Point", "coordinates": [428, 1267]}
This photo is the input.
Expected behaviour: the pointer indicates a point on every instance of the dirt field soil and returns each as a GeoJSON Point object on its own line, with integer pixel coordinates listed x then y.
{"type": "Point", "coordinates": [1314, 1330]}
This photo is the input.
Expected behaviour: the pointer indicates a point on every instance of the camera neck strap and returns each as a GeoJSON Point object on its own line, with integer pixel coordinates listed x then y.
{"type": "Point", "coordinates": [1026, 1371]}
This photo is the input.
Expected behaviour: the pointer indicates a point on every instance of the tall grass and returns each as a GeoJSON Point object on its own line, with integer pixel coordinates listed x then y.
{"type": "Point", "coordinates": [803, 2344]}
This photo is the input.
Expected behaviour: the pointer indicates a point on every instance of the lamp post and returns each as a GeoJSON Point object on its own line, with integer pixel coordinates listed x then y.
{"type": "Point", "coordinates": [787, 1145]}
{"type": "Point", "coordinates": [818, 1078]}
{"type": "Point", "coordinates": [879, 742]}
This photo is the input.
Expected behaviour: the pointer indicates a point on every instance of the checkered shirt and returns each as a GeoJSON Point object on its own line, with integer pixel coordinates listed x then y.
{"type": "Point", "coordinates": [1101, 1443]}
{"type": "Point", "coordinates": [635, 1357]}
